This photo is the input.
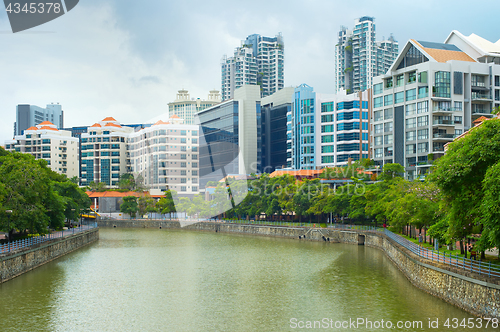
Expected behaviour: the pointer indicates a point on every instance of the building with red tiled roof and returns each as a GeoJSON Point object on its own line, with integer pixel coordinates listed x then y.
{"type": "Point", "coordinates": [57, 147]}
{"type": "Point", "coordinates": [432, 93]}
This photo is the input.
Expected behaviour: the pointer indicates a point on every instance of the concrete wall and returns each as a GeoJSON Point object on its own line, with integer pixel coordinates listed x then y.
{"type": "Point", "coordinates": [472, 292]}
{"type": "Point", "coordinates": [21, 261]}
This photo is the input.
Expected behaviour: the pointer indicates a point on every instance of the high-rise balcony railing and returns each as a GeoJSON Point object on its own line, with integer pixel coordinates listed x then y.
{"type": "Point", "coordinates": [443, 135]}
{"type": "Point", "coordinates": [480, 95]}
{"type": "Point", "coordinates": [443, 122]}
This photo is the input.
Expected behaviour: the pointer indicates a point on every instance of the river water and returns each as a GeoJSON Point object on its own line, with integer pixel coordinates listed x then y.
{"type": "Point", "coordinates": [172, 280]}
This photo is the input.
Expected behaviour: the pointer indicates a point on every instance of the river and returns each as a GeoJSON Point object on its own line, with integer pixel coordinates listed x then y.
{"type": "Point", "coordinates": [174, 280]}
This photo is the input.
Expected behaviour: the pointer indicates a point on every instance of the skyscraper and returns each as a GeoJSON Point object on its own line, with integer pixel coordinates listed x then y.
{"type": "Point", "coordinates": [359, 58]}
{"type": "Point", "coordinates": [258, 61]}
{"type": "Point", "coordinates": [30, 115]}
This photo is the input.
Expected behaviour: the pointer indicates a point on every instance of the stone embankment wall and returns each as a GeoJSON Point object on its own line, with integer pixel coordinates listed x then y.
{"type": "Point", "coordinates": [18, 262]}
{"type": "Point", "coordinates": [472, 292]}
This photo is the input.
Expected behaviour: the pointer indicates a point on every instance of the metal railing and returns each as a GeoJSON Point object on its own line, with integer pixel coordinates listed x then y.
{"type": "Point", "coordinates": [465, 264]}
{"type": "Point", "coordinates": [32, 241]}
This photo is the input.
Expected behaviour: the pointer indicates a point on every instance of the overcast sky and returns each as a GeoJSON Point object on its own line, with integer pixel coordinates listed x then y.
{"type": "Point", "coordinates": [127, 59]}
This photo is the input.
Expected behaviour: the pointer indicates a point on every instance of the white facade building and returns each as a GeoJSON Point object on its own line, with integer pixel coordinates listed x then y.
{"type": "Point", "coordinates": [432, 93]}
{"type": "Point", "coordinates": [166, 155]}
{"type": "Point", "coordinates": [45, 141]}
{"type": "Point", "coordinates": [186, 108]}
{"type": "Point", "coordinates": [104, 152]}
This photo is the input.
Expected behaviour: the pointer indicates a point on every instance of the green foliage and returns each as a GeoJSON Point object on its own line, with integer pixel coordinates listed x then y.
{"type": "Point", "coordinates": [127, 182]}
{"type": "Point", "coordinates": [97, 186]}
{"type": "Point", "coordinates": [38, 197]}
{"type": "Point", "coordinates": [129, 206]}
{"type": "Point", "coordinates": [466, 177]}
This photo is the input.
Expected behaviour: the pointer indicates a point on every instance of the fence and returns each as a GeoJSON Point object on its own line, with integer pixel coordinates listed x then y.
{"type": "Point", "coordinates": [466, 264]}
{"type": "Point", "coordinates": [26, 243]}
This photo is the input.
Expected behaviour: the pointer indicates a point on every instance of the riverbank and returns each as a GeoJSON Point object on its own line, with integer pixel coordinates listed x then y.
{"type": "Point", "coordinates": [477, 294]}
{"type": "Point", "coordinates": [17, 262]}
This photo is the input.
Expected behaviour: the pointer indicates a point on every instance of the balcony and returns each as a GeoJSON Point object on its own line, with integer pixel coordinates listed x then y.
{"type": "Point", "coordinates": [480, 109]}
{"type": "Point", "coordinates": [442, 136]}
{"type": "Point", "coordinates": [445, 110]}
{"type": "Point", "coordinates": [486, 96]}
{"type": "Point", "coordinates": [443, 122]}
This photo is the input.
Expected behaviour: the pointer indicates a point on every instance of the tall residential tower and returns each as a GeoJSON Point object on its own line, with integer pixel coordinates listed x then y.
{"type": "Point", "coordinates": [258, 61]}
{"type": "Point", "coordinates": [359, 57]}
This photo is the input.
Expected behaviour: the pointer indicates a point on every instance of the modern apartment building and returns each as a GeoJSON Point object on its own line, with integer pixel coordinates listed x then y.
{"type": "Point", "coordinates": [30, 115]}
{"type": "Point", "coordinates": [45, 141]}
{"type": "Point", "coordinates": [326, 130]}
{"type": "Point", "coordinates": [359, 57]}
{"type": "Point", "coordinates": [432, 93]}
{"type": "Point", "coordinates": [104, 152]}
{"type": "Point", "coordinates": [186, 108]}
{"type": "Point", "coordinates": [258, 61]}
{"type": "Point", "coordinates": [166, 155]}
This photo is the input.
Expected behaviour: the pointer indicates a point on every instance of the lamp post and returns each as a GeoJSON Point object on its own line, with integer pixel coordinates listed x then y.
{"type": "Point", "coordinates": [8, 226]}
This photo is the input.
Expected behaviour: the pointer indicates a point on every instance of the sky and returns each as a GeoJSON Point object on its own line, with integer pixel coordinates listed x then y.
{"type": "Point", "coordinates": [127, 59]}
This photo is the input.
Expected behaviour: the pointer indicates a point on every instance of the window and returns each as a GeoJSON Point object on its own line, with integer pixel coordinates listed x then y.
{"type": "Point", "coordinates": [387, 139]}
{"type": "Point", "coordinates": [115, 153]}
{"type": "Point", "coordinates": [115, 161]}
{"type": "Point", "coordinates": [458, 106]}
{"type": "Point", "coordinates": [104, 146]}
{"type": "Point", "coordinates": [183, 188]}
{"type": "Point", "coordinates": [327, 129]}
{"type": "Point", "coordinates": [183, 140]}
{"type": "Point", "coordinates": [104, 153]}
{"type": "Point", "coordinates": [388, 83]}
{"type": "Point", "coordinates": [194, 149]}
{"type": "Point", "coordinates": [442, 86]}
{"type": "Point", "coordinates": [378, 102]}
{"type": "Point", "coordinates": [423, 134]}
{"type": "Point", "coordinates": [194, 156]}
{"type": "Point", "coordinates": [411, 94]}
{"type": "Point", "coordinates": [412, 77]}
{"type": "Point", "coordinates": [194, 173]}
{"type": "Point", "coordinates": [410, 135]}
{"type": "Point", "coordinates": [400, 80]}
{"type": "Point", "coordinates": [183, 172]}
{"type": "Point", "coordinates": [388, 114]}
{"type": "Point", "coordinates": [327, 107]}
{"type": "Point", "coordinates": [423, 147]}
{"type": "Point", "coordinates": [183, 156]}
{"type": "Point", "coordinates": [327, 159]}
{"type": "Point", "coordinates": [326, 139]}
{"type": "Point", "coordinates": [183, 180]}
{"type": "Point", "coordinates": [194, 188]}
{"type": "Point", "coordinates": [422, 77]}
{"type": "Point", "coordinates": [423, 121]}
{"type": "Point", "coordinates": [183, 148]}
{"type": "Point", "coordinates": [422, 107]}
{"type": "Point", "coordinates": [183, 132]}
{"type": "Point", "coordinates": [378, 140]}
{"type": "Point", "coordinates": [411, 109]}
{"type": "Point", "coordinates": [115, 168]}
{"type": "Point", "coordinates": [378, 153]}
{"type": "Point", "coordinates": [411, 148]}
{"type": "Point", "coordinates": [194, 140]}
{"type": "Point", "coordinates": [423, 92]}
{"type": "Point", "coordinates": [377, 89]}
{"type": "Point", "coordinates": [327, 149]}
{"type": "Point", "coordinates": [194, 164]}
{"type": "Point", "coordinates": [44, 148]}
{"type": "Point", "coordinates": [183, 164]}
{"type": "Point", "coordinates": [458, 132]}
{"type": "Point", "coordinates": [387, 100]}
{"type": "Point", "coordinates": [45, 155]}
{"type": "Point", "coordinates": [194, 132]}
{"type": "Point", "coordinates": [377, 116]}
{"type": "Point", "coordinates": [458, 119]}
{"type": "Point", "coordinates": [378, 128]}
{"type": "Point", "coordinates": [411, 123]}
{"type": "Point", "coordinates": [388, 151]}
{"type": "Point", "coordinates": [327, 118]}
{"type": "Point", "coordinates": [46, 141]}
{"type": "Point", "coordinates": [387, 127]}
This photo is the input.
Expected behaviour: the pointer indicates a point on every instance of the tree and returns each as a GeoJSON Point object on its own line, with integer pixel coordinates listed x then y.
{"type": "Point", "coordinates": [464, 176]}
{"type": "Point", "coordinates": [166, 204]}
{"type": "Point", "coordinates": [391, 171]}
{"type": "Point", "coordinates": [126, 181]}
{"type": "Point", "coordinates": [129, 206]}
{"type": "Point", "coordinates": [97, 186]}
{"type": "Point", "coordinates": [146, 204]}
